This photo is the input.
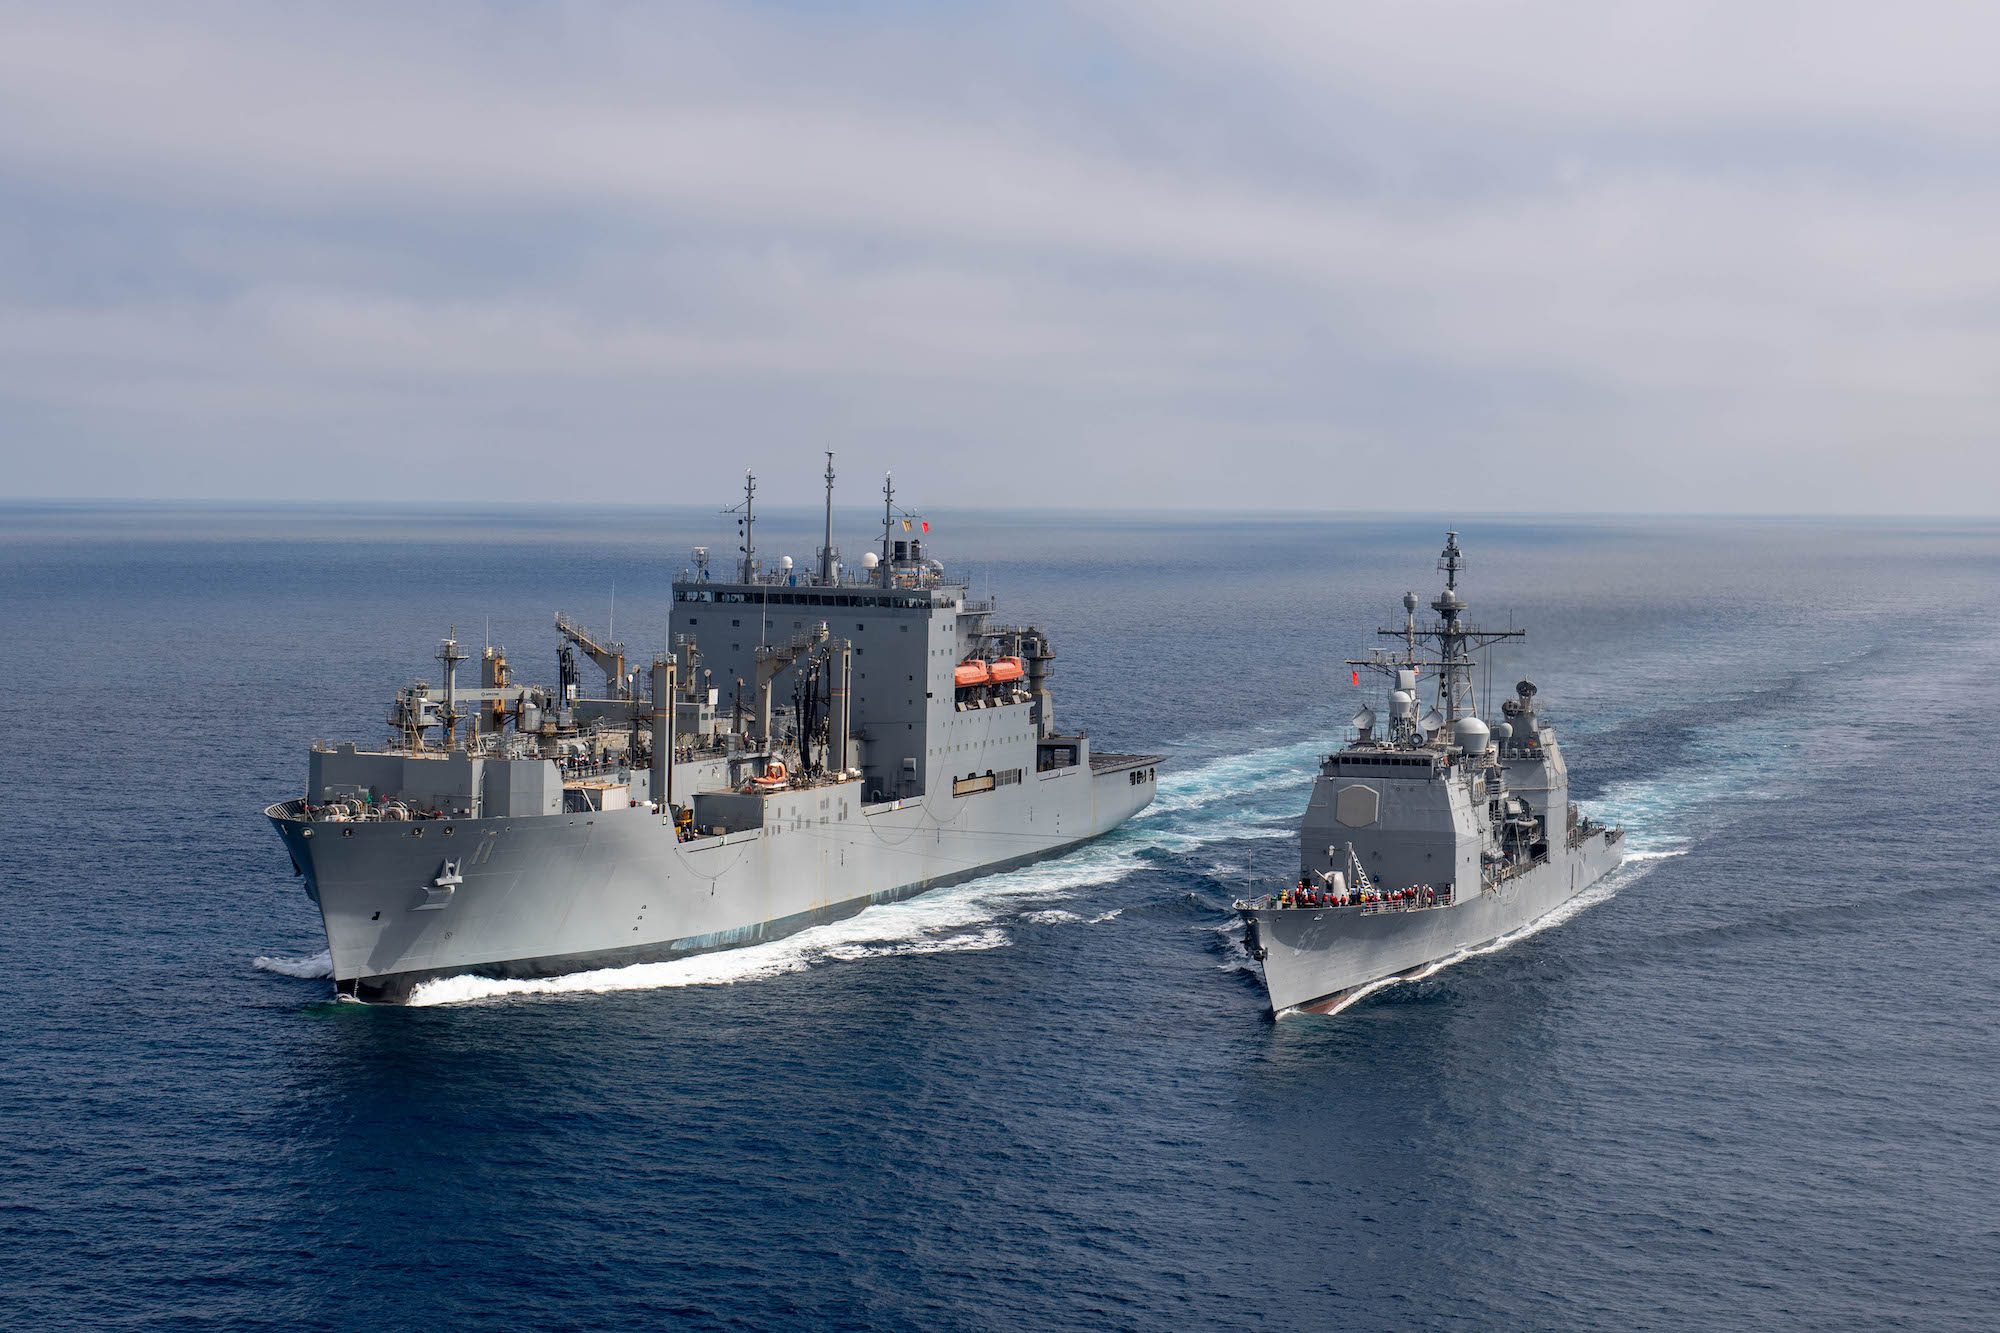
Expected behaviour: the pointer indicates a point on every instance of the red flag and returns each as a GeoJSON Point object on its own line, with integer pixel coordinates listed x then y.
{"type": "Point", "coordinates": [927, 525]}
{"type": "Point", "coordinates": [1356, 673]}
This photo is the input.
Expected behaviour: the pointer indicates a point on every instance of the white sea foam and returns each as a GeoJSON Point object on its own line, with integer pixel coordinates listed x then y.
{"type": "Point", "coordinates": [1056, 916]}
{"type": "Point", "coordinates": [1733, 767]}
{"type": "Point", "coordinates": [1239, 777]}
{"type": "Point", "coordinates": [317, 965]}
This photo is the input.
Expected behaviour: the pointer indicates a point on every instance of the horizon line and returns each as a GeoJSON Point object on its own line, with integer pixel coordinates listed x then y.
{"type": "Point", "coordinates": [1284, 511]}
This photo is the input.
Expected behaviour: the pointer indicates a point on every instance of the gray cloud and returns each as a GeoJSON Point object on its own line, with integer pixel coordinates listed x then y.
{"type": "Point", "coordinates": [1410, 255]}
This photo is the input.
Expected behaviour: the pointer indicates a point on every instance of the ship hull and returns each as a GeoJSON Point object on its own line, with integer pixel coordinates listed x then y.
{"type": "Point", "coordinates": [550, 895]}
{"type": "Point", "coordinates": [1316, 958]}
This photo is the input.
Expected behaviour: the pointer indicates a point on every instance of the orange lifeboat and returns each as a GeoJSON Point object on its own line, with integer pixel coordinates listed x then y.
{"type": "Point", "coordinates": [968, 674]}
{"type": "Point", "coordinates": [1006, 669]}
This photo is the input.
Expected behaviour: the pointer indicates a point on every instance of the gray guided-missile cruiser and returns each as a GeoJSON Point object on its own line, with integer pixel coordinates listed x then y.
{"type": "Point", "coordinates": [813, 741]}
{"type": "Point", "coordinates": [1432, 836]}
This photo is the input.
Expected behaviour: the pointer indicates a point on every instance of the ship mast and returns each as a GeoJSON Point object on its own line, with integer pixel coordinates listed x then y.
{"type": "Point", "coordinates": [888, 521]}
{"type": "Point", "coordinates": [450, 655]}
{"type": "Point", "coordinates": [747, 521]}
{"type": "Point", "coordinates": [1455, 682]}
{"type": "Point", "coordinates": [827, 555]}
{"type": "Point", "coordinates": [1455, 640]}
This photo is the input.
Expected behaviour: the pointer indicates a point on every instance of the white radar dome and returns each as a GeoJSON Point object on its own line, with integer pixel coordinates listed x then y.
{"type": "Point", "coordinates": [1471, 735]}
{"type": "Point", "coordinates": [785, 563]}
{"type": "Point", "coordinates": [869, 560]}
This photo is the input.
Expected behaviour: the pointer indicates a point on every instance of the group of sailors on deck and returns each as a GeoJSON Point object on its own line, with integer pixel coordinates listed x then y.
{"type": "Point", "coordinates": [1306, 894]}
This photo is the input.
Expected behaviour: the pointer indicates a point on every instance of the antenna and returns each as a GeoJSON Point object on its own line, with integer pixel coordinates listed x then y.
{"type": "Point", "coordinates": [827, 555]}
{"type": "Point", "coordinates": [888, 520]}
{"type": "Point", "coordinates": [746, 522]}
{"type": "Point", "coordinates": [1451, 560]}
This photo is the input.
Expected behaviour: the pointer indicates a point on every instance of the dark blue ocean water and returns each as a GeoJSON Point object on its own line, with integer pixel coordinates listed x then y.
{"type": "Point", "coordinates": [1752, 1083]}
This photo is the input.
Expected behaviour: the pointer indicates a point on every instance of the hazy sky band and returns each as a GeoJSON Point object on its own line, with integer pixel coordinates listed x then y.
{"type": "Point", "coordinates": [1407, 256]}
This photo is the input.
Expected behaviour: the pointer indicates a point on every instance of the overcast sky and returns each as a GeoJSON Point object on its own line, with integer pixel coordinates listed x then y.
{"type": "Point", "coordinates": [1410, 255]}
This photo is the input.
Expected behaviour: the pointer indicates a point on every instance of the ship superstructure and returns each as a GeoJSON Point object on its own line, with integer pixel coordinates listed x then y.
{"type": "Point", "coordinates": [816, 740]}
{"type": "Point", "coordinates": [1432, 833]}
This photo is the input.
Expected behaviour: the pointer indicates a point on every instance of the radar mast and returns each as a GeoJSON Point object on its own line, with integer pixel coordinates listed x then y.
{"type": "Point", "coordinates": [827, 555]}
{"type": "Point", "coordinates": [1455, 642]}
{"type": "Point", "coordinates": [746, 519]}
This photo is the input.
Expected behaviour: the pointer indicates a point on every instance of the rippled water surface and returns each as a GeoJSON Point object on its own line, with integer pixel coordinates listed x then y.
{"type": "Point", "coordinates": [1753, 1080]}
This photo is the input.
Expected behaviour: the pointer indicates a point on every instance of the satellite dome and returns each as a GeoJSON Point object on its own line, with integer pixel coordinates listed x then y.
{"type": "Point", "coordinates": [1409, 601]}
{"type": "Point", "coordinates": [869, 560]}
{"type": "Point", "coordinates": [1471, 735]}
{"type": "Point", "coordinates": [785, 563]}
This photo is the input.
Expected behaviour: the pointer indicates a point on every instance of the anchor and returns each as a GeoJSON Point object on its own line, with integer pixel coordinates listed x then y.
{"type": "Point", "coordinates": [439, 891]}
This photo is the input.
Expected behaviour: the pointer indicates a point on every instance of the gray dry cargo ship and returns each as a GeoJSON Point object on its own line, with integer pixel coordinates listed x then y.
{"type": "Point", "coordinates": [822, 739]}
{"type": "Point", "coordinates": [1440, 835]}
